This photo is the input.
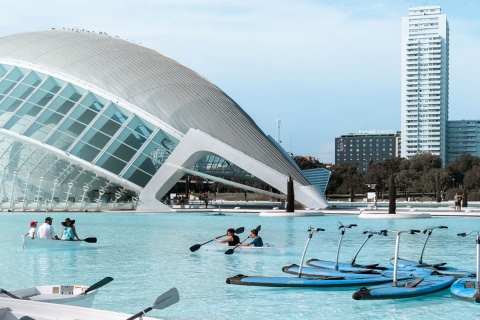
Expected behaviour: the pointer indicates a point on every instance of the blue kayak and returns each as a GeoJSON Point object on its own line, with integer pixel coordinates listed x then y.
{"type": "Point", "coordinates": [440, 267]}
{"type": "Point", "coordinates": [465, 289]}
{"type": "Point", "coordinates": [317, 282]}
{"type": "Point", "coordinates": [404, 273]}
{"type": "Point", "coordinates": [405, 288]}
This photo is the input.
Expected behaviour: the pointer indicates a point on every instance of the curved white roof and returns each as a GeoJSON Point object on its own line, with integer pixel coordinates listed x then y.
{"type": "Point", "coordinates": [151, 81]}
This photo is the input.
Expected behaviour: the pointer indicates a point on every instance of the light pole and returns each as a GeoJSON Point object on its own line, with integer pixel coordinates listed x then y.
{"type": "Point", "coordinates": [453, 183]}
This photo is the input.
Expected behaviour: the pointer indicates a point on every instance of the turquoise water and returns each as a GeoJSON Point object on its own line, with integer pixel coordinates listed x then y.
{"type": "Point", "coordinates": [147, 254]}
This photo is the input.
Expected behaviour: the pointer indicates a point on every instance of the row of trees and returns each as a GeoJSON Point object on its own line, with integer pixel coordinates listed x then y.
{"type": "Point", "coordinates": [419, 176]}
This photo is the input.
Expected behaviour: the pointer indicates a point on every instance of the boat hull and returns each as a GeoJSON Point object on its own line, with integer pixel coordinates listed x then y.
{"type": "Point", "coordinates": [59, 294]}
{"type": "Point", "coordinates": [14, 309]}
{"type": "Point", "coordinates": [244, 249]}
{"type": "Point", "coordinates": [464, 289]}
{"type": "Point", "coordinates": [406, 288]}
{"type": "Point", "coordinates": [39, 243]}
{"type": "Point", "coordinates": [318, 282]}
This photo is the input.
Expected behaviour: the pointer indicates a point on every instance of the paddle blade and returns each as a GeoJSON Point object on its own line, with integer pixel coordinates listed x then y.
{"type": "Point", "coordinates": [195, 247]}
{"type": "Point", "coordinates": [240, 230]}
{"type": "Point", "coordinates": [167, 299]}
{"type": "Point", "coordinates": [99, 284]}
{"type": "Point", "coordinates": [229, 251]}
{"type": "Point", "coordinates": [90, 240]}
{"type": "Point", "coordinates": [259, 228]}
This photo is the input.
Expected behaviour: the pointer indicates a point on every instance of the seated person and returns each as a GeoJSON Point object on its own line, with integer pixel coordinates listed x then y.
{"type": "Point", "coordinates": [256, 242]}
{"type": "Point", "coordinates": [232, 239]}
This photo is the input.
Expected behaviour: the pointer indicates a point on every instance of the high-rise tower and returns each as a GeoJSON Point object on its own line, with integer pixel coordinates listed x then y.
{"type": "Point", "coordinates": [424, 82]}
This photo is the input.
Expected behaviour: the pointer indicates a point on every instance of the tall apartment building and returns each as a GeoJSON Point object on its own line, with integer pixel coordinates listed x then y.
{"type": "Point", "coordinates": [463, 137]}
{"type": "Point", "coordinates": [424, 96]}
{"type": "Point", "coordinates": [366, 147]}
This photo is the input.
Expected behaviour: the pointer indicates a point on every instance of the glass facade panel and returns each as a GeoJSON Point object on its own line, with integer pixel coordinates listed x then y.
{"type": "Point", "coordinates": [16, 74]}
{"type": "Point", "coordinates": [110, 163]}
{"type": "Point", "coordinates": [107, 126]}
{"type": "Point", "coordinates": [142, 127]}
{"type": "Point", "coordinates": [7, 107]}
{"type": "Point", "coordinates": [3, 69]}
{"type": "Point", "coordinates": [72, 93]}
{"type": "Point", "coordinates": [6, 86]}
{"type": "Point", "coordinates": [93, 102]}
{"type": "Point", "coordinates": [61, 105]}
{"type": "Point", "coordinates": [85, 151]}
{"type": "Point", "coordinates": [44, 125]}
{"type": "Point", "coordinates": [33, 79]}
{"type": "Point", "coordinates": [23, 118]}
{"type": "Point", "coordinates": [138, 176]}
{"type": "Point", "coordinates": [22, 91]}
{"type": "Point", "coordinates": [131, 138]}
{"type": "Point", "coordinates": [66, 134]}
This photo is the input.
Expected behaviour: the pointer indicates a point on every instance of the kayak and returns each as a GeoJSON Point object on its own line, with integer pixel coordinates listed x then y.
{"type": "Point", "coordinates": [342, 280]}
{"type": "Point", "coordinates": [465, 289]}
{"type": "Point", "coordinates": [18, 309]}
{"type": "Point", "coordinates": [440, 267]}
{"type": "Point", "coordinates": [60, 294]}
{"type": "Point", "coordinates": [14, 309]}
{"type": "Point", "coordinates": [405, 273]}
{"type": "Point", "coordinates": [419, 286]}
{"type": "Point", "coordinates": [39, 243]}
{"type": "Point", "coordinates": [351, 266]}
{"type": "Point", "coordinates": [269, 249]}
{"type": "Point", "coordinates": [468, 289]}
{"type": "Point", "coordinates": [406, 288]}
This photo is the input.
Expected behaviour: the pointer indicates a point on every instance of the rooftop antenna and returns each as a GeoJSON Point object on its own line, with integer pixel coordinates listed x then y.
{"type": "Point", "coordinates": [277, 138]}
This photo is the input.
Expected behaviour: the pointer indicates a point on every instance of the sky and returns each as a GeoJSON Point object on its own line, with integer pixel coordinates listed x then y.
{"type": "Point", "coordinates": [320, 68]}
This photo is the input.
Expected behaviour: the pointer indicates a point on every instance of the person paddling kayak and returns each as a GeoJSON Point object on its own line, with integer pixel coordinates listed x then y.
{"type": "Point", "coordinates": [256, 242]}
{"type": "Point", "coordinates": [232, 239]}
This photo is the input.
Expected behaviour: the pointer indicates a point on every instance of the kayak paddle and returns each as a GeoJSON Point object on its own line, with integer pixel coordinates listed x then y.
{"type": "Point", "coordinates": [90, 240]}
{"type": "Point", "coordinates": [11, 295]}
{"type": "Point", "coordinates": [163, 301]}
{"type": "Point", "coordinates": [230, 251]}
{"type": "Point", "coordinates": [99, 284]}
{"type": "Point", "coordinates": [195, 247]}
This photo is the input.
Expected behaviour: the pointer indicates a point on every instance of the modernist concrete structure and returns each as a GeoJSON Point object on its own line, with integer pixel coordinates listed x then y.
{"type": "Point", "coordinates": [89, 120]}
{"type": "Point", "coordinates": [366, 147]}
{"type": "Point", "coordinates": [424, 106]}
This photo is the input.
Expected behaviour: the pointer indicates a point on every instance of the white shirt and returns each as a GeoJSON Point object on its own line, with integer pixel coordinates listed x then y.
{"type": "Point", "coordinates": [31, 232]}
{"type": "Point", "coordinates": [46, 231]}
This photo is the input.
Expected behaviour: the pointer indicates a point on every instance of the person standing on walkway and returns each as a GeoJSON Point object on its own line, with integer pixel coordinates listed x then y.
{"type": "Point", "coordinates": [456, 200]}
{"type": "Point", "coordinates": [375, 201]}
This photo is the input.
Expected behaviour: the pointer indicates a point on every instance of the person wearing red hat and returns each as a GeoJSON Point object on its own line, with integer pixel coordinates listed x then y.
{"type": "Point", "coordinates": [31, 232]}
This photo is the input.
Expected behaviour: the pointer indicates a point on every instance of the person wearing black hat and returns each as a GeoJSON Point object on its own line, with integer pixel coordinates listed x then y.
{"type": "Point", "coordinates": [69, 232]}
{"type": "Point", "coordinates": [46, 230]}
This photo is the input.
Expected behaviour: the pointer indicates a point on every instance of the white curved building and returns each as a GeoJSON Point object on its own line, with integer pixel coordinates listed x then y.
{"type": "Point", "coordinates": [88, 120]}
